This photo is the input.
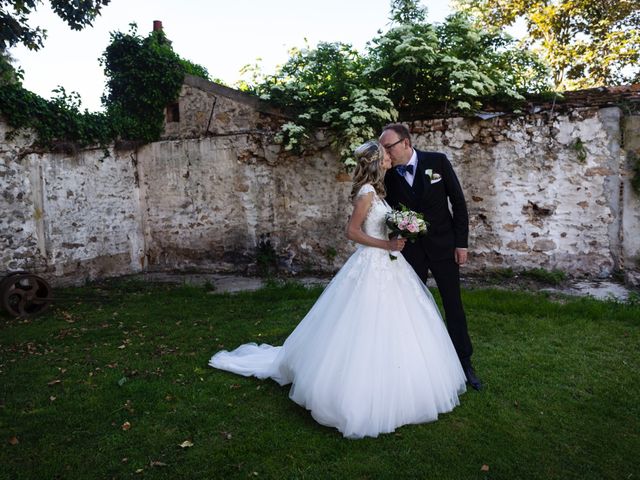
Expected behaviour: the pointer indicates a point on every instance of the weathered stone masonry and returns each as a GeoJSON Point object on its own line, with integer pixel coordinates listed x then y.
{"type": "Point", "coordinates": [547, 190]}
{"type": "Point", "coordinates": [542, 190]}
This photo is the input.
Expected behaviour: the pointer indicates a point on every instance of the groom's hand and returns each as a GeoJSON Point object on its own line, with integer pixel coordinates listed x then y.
{"type": "Point", "coordinates": [461, 256]}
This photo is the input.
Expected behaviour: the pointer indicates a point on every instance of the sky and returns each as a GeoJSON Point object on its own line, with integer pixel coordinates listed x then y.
{"type": "Point", "coordinates": [220, 35]}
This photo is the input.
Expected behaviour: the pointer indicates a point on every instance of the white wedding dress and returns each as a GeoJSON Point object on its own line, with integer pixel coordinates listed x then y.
{"type": "Point", "coordinates": [373, 352]}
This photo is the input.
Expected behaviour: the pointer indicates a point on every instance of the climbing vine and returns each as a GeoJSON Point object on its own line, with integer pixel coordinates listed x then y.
{"type": "Point", "coordinates": [144, 74]}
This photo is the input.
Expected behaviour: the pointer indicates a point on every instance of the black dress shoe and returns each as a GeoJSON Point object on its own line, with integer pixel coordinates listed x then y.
{"type": "Point", "coordinates": [472, 379]}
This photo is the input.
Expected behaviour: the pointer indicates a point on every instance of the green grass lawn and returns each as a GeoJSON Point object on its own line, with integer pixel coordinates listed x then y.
{"type": "Point", "coordinates": [561, 399]}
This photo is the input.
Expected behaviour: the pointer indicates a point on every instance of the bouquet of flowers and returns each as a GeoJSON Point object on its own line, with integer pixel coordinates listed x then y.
{"type": "Point", "coordinates": [405, 223]}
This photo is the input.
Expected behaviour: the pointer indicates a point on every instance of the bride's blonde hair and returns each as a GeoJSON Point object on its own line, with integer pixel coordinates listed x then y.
{"type": "Point", "coordinates": [369, 156]}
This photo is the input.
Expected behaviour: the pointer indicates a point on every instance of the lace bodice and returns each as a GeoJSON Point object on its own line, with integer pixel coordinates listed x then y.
{"type": "Point", "coordinates": [374, 224]}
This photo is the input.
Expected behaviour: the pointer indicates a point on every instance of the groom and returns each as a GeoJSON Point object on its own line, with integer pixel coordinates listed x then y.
{"type": "Point", "coordinates": [425, 182]}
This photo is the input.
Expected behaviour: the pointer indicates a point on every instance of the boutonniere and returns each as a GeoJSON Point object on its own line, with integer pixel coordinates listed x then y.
{"type": "Point", "coordinates": [433, 177]}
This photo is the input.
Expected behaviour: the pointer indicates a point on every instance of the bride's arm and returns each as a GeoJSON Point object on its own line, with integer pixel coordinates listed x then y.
{"type": "Point", "coordinates": [354, 227]}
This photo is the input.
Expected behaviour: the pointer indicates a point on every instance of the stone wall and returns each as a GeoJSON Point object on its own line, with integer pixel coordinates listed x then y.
{"type": "Point", "coordinates": [218, 183]}
{"type": "Point", "coordinates": [547, 190]}
{"type": "Point", "coordinates": [542, 190]}
{"type": "Point", "coordinates": [73, 217]}
{"type": "Point", "coordinates": [200, 199]}
{"type": "Point", "coordinates": [630, 201]}
{"type": "Point", "coordinates": [210, 200]}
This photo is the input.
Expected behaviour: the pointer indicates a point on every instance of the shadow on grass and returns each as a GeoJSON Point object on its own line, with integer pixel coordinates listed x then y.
{"type": "Point", "coordinates": [111, 389]}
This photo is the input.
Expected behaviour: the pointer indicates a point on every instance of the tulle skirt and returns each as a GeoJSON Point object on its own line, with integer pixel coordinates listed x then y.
{"type": "Point", "coordinates": [371, 355]}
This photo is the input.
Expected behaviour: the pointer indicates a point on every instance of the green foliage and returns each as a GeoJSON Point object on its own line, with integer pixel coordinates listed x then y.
{"type": "Point", "coordinates": [266, 257]}
{"type": "Point", "coordinates": [407, 11]}
{"type": "Point", "coordinates": [209, 286]}
{"type": "Point", "coordinates": [14, 19]}
{"type": "Point", "coordinates": [585, 43]}
{"type": "Point", "coordinates": [8, 73]}
{"type": "Point", "coordinates": [453, 67]}
{"type": "Point", "coordinates": [453, 64]}
{"type": "Point", "coordinates": [580, 149]}
{"type": "Point", "coordinates": [552, 277]}
{"type": "Point", "coordinates": [58, 123]}
{"type": "Point", "coordinates": [327, 86]}
{"type": "Point", "coordinates": [144, 75]}
{"type": "Point", "coordinates": [194, 69]}
{"type": "Point", "coordinates": [501, 273]}
{"type": "Point", "coordinates": [330, 253]}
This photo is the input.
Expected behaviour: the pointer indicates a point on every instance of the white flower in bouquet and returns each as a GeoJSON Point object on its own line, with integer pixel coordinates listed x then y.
{"type": "Point", "coordinates": [406, 223]}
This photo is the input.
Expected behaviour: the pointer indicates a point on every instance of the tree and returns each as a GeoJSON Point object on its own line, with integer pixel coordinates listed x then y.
{"type": "Point", "coordinates": [327, 86]}
{"type": "Point", "coordinates": [455, 63]}
{"type": "Point", "coordinates": [407, 11]}
{"type": "Point", "coordinates": [8, 74]}
{"type": "Point", "coordinates": [452, 67]}
{"type": "Point", "coordinates": [14, 15]}
{"type": "Point", "coordinates": [586, 43]}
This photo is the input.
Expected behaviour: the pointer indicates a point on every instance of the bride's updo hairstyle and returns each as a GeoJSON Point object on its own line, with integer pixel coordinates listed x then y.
{"type": "Point", "coordinates": [369, 157]}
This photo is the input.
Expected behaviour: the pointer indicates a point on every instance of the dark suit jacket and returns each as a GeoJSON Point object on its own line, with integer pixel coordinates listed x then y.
{"type": "Point", "coordinates": [446, 231]}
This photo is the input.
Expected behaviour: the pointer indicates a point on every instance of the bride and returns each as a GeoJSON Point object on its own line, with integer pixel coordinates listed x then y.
{"type": "Point", "coordinates": [373, 352]}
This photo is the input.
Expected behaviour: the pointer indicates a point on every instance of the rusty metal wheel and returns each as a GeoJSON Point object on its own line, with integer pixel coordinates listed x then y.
{"type": "Point", "coordinates": [24, 294]}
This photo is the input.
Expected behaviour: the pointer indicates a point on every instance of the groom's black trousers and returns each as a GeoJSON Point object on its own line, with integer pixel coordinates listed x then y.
{"type": "Point", "coordinates": [446, 273]}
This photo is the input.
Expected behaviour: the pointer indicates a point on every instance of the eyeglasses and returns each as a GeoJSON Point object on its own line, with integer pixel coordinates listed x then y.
{"type": "Point", "coordinates": [389, 147]}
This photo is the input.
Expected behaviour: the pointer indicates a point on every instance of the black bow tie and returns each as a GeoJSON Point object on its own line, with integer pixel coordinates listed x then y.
{"type": "Point", "coordinates": [401, 169]}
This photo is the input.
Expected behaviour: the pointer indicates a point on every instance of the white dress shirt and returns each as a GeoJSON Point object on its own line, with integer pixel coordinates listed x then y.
{"type": "Point", "coordinates": [413, 161]}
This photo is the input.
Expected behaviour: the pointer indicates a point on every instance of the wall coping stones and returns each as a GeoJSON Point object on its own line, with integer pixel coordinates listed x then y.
{"type": "Point", "coordinates": [236, 95]}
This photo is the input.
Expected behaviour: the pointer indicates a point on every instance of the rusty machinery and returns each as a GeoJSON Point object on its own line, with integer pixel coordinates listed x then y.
{"type": "Point", "coordinates": [24, 294]}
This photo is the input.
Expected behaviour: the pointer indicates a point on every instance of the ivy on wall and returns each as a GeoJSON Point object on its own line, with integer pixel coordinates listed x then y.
{"type": "Point", "coordinates": [57, 122]}
{"type": "Point", "coordinates": [144, 74]}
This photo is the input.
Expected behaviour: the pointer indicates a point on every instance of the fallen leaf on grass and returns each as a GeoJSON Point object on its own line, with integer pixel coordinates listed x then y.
{"type": "Point", "coordinates": [13, 440]}
{"type": "Point", "coordinates": [225, 435]}
{"type": "Point", "coordinates": [54, 382]}
{"type": "Point", "coordinates": [126, 426]}
{"type": "Point", "coordinates": [140, 470]}
{"type": "Point", "coordinates": [186, 444]}
{"type": "Point", "coordinates": [484, 468]}
{"type": "Point", "coordinates": [52, 398]}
